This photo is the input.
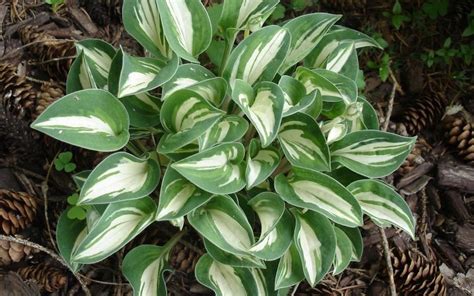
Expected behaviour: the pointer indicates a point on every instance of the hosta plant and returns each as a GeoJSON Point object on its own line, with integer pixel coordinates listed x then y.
{"type": "Point", "coordinates": [254, 136]}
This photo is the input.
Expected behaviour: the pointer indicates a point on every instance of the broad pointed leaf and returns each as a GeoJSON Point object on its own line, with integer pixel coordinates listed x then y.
{"type": "Point", "coordinates": [185, 76]}
{"type": "Point", "coordinates": [187, 27]}
{"type": "Point", "coordinates": [132, 75]}
{"type": "Point", "coordinates": [258, 57]}
{"type": "Point", "coordinates": [186, 115]}
{"type": "Point", "coordinates": [316, 243]}
{"type": "Point", "coordinates": [119, 177]}
{"type": "Point", "coordinates": [290, 269]}
{"type": "Point", "coordinates": [294, 92]}
{"type": "Point", "coordinates": [357, 243]}
{"type": "Point", "coordinates": [69, 234]}
{"type": "Point", "coordinates": [273, 245]}
{"type": "Point", "coordinates": [91, 67]}
{"type": "Point", "coordinates": [263, 105]}
{"type": "Point", "coordinates": [119, 224]}
{"type": "Point", "coordinates": [223, 223]}
{"type": "Point", "coordinates": [369, 115]}
{"type": "Point", "coordinates": [218, 170]}
{"type": "Point", "coordinates": [331, 41]}
{"type": "Point", "coordinates": [321, 193]}
{"type": "Point", "coordinates": [143, 109]}
{"type": "Point", "coordinates": [141, 19]}
{"type": "Point", "coordinates": [178, 196]}
{"type": "Point", "coordinates": [306, 31]}
{"type": "Point", "coordinates": [225, 279]}
{"type": "Point", "coordinates": [80, 75]}
{"type": "Point", "coordinates": [343, 254]}
{"type": "Point", "coordinates": [303, 143]}
{"type": "Point", "coordinates": [269, 208]}
{"type": "Point", "coordinates": [144, 265]}
{"type": "Point", "coordinates": [230, 128]}
{"type": "Point", "coordinates": [383, 205]}
{"type": "Point", "coordinates": [261, 163]}
{"type": "Point", "coordinates": [333, 87]}
{"type": "Point", "coordinates": [372, 153]}
{"type": "Point", "coordinates": [340, 56]}
{"type": "Point", "coordinates": [91, 119]}
{"type": "Point", "coordinates": [236, 260]}
{"type": "Point", "coordinates": [237, 14]}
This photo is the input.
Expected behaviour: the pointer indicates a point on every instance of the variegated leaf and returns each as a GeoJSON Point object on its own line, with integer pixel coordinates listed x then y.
{"type": "Point", "coordinates": [331, 41]}
{"type": "Point", "coordinates": [185, 76]}
{"type": "Point", "coordinates": [372, 153]}
{"type": "Point", "coordinates": [383, 205]}
{"type": "Point", "coordinates": [319, 192]}
{"type": "Point", "coordinates": [290, 269]}
{"type": "Point", "coordinates": [132, 75]}
{"type": "Point", "coordinates": [303, 143]}
{"type": "Point", "coordinates": [261, 163]}
{"type": "Point", "coordinates": [143, 109]}
{"type": "Point", "coordinates": [91, 68]}
{"type": "Point", "coordinates": [188, 27]}
{"type": "Point", "coordinates": [226, 280]}
{"type": "Point", "coordinates": [223, 223]}
{"type": "Point", "coordinates": [294, 92]}
{"type": "Point", "coordinates": [343, 254]}
{"type": "Point", "coordinates": [369, 115]}
{"type": "Point", "coordinates": [80, 178]}
{"type": "Point", "coordinates": [185, 115]}
{"type": "Point", "coordinates": [119, 224]}
{"type": "Point", "coordinates": [333, 87]}
{"type": "Point", "coordinates": [92, 119]}
{"type": "Point", "coordinates": [263, 105]}
{"type": "Point", "coordinates": [119, 177]}
{"type": "Point", "coordinates": [178, 196]}
{"type": "Point", "coordinates": [273, 244]}
{"type": "Point", "coordinates": [231, 128]}
{"type": "Point", "coordinates": [315, 241]}
{"type": "Point", "coordinates": [144, 265]}
{"type": "Point", "coordinates": [219, 170]}
{"type": "Point", "coordinates": [269, 208]}
{"type": "Point", "coordinates": [199, 79]}
{"type": "Point", "coordinates": [80, 76]}
{"type": "Point", "coordinates": [357, 244]}
{"type": "Point", "coordinates": [258, 57]}
{"type": "Point", "coordinates": [69, 234]}
{"type": "Point", "coordinates": [246, 14]}
{"type": "Point", "coordinates": [141, 19]}
{"type": "Point", "coordinates": [236, 260]}
{"type": "Point", "coordinates": [340, 56]}
{"type": "Point", "coordinates": [306, 31]}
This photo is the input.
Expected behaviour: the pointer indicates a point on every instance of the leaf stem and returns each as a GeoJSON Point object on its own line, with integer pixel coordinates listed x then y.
{"type": "Point", "coordinates": [131, 147]}
{"type": "Point", "coordinates": [229, 42]}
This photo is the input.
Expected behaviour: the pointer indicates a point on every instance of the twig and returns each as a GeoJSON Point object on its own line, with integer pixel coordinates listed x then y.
{"type": "Point", "coordinates": [52, 60]}
{"type": "Point", "coordinates": [393, 289]}
{"type": "Point", "coordinates": [44, 191]}
{"type": "Point", "coordinates": [387, 253]}
{"type": "Point", "coordinates": [50, 253]}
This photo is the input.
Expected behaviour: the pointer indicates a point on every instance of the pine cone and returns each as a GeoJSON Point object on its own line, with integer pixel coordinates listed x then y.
{"type": "Point", "coordinates": [415, 275]}
{"type": "Point", "coordinates": [48, 277]}
{"type": "Point", "coordinates": [17, 211]}
{"type": "Point", "coordinates": [459, 127]}
{"type": "Point", "coordinates": [344, 5]}
{"type": "Point", "coordinates": [423, 113]}
{"type": "Point", "coordinates": [11, 252]}
{"type": "Point", "coordinates": [415, 158]}
{"type": "Point", "coordinates": [48, 49]}
{"type": "Point", "coordinates": [21, 99]}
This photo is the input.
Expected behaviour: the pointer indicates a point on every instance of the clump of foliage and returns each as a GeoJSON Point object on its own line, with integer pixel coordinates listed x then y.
{"type": "Point", "coordinates": [269, 152]}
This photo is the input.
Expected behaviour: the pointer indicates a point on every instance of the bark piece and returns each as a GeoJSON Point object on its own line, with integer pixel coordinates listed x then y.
{"type": "Point", "coordinates": [454, 174]}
